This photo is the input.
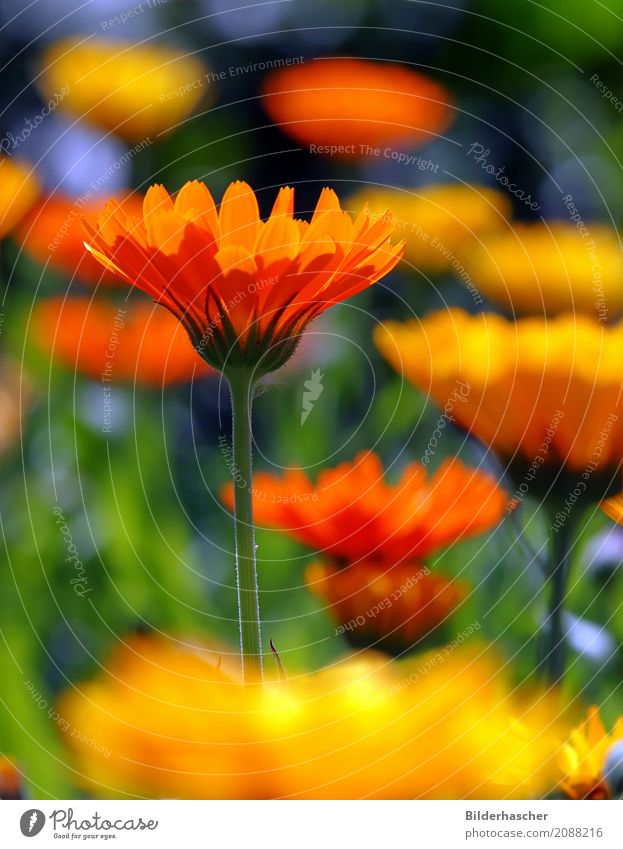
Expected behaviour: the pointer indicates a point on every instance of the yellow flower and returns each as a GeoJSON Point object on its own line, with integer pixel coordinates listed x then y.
{"type": "Point", "coordinates": [550, 268]}
{"type": "Point", "coordinates": [438, 222]}
{"type": "Point", "coordinates": [544, 394]}
{"type": "Point", "coordinates": [165, 720]}
{"type": "Point", "coordinates": [133, 89]}
{"type": "Point", "coordinates": [19, 189]}
{"type": "Point", "coordinates": [584, 759]}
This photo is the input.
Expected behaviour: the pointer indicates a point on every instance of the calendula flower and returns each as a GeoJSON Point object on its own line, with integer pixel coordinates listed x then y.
{"type": "Point", "coordinates": [353, 107]}
{"type": "Point", "coordinates": [133, 342]}
{"type": "Point", "coordinates": [53, 233]}
{"type": "Point", "coordinates": [550, 268]}
{"type": "Point", "coordinates": [135, 90]}
{"type": "Point", "coordinates": [592, 760]}
{"type": "Point", "coordinates": [164, 721]}
{"type": "Point", "coordinates": [389, 607]}
{"type": "Point", "coordinates": [244, 289]}
{"type": "Point", "coordinates": [438, 222]}
{"type": "Point", "coordinates": [353, 514]}
{"type": "Point", "coordinates": [10, 781]}
{"type": "Point", "coordinates": [546, 393]}
{"type": "Point", "coordinates": [19, 189]}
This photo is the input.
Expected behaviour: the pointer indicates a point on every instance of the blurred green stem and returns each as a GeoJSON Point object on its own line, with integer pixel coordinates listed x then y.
{"type": "Point", "coordinates": [553, 643]}
{"type": "Point", "coordinates": [241, 384]}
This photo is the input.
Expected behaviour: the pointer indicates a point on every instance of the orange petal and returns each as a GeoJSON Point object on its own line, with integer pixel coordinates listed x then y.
{"type": "Point", "coordinates": [239, 217]}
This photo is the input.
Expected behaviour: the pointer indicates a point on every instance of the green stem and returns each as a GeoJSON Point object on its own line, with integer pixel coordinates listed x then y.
{"type": "Point", "coordinates": [241, 385]}
{"type": "Point", "coordinates": [553, 656]}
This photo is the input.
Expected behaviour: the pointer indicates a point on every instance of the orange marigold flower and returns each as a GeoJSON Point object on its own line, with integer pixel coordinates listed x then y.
{"type": "Point", "coordinates": [53, 232]}
{"type": "Point", "coordinates": [170, 723]}
{"type": "Point", "coordinates": [351, 106]}
{"type": "Point", "coordinates": [592, 761]}
{"type": "Point", "coordinates": [136, 90]}
{"type": "Point", "coordinates": [19, 189]}
{"type": "Point", "coordinates": [135, 342]}
{"type": "Point", "coordinates": [546, 394]}
{"type": "Point", "coordinates": [243, 288]}
{"type": "Point", "coordinates": [352, 514]}
{"type": "Point", "coordinates": [385, 607]}
{"type": "Point", "coordinates": [10, 781]}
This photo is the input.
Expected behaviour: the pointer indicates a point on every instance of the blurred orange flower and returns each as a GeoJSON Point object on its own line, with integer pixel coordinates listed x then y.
{"type": "Point", "coordinates": [244, 289]}
{"type": "Point", "coordinates": [135, 90]}
{"type": "Point", "coordinates": [352, 514]}
{"type": "Point", "coordinates": [352, 106]}
{"type": "Point", "coordinates": [550, 268]}
{"type": "Point", "coordinates": [135, 342]}
{"type": "Point", "coordinates": [10, 781]}
{"type": "Point", "coordinates": [19, 189]}
{"type": "Point", "coordinates": [544, 394]}
{"type": "Point", "coordinates": [438, 222]}
{"type": "Point", "coordinates": [164, 721]}
{"type": "Point", "coordinates": [584, 760]}
{"type": "Point", "coordinates": [53, 232]}
{"type": "Point", "coordinates": [389, 607]}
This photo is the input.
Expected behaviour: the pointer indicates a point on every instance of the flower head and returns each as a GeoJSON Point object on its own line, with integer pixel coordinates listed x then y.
{"type": "Point", "coordinates": [352, 106]}
{"type": "Point", "coordinates": [353, 514]}
{"type": "Point", "coordinates": [243, 288]}
{"type": "Point", "coordinates": [53, 233]}
{"type": "Point", "coordinates": [388, 607]}
{"type": "Point", "coordinates": [584, 761]}
{"type": "Point", "coordinates": [135, 90]}
{"type": "Point", "coordinates": [136, 342]}
{"type": "Point", "coordinates": [19, 189]}
{"type": "Point", "coordinates": [169, 723]}
{"type": "Point", "coordinates": [550, 268]}
{"type": "Point", "coordinates": [546, 394]}
{"type": "Point", "coordinates": [438, 222]}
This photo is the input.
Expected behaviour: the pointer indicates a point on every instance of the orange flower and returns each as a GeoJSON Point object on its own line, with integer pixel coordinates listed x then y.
{"type": "Point", "coordinates": [19, 189]}
{"type": "Point", "coordinates": [244, 289]}
{"type": "Point", "coordinates": [584, 760]}
{"type": "Point", "coordinates": [390, 608]}
{"type": "Point", "coordinates": [53, 233]}
{"type": "Point", "coordinates": [136, 342]}
{"type": "Point", "coordinates": [10, 782]}
{"type": "Point", "coordinates": [343, 104]}
{"type": "Point", "coordinates": [352, 514]}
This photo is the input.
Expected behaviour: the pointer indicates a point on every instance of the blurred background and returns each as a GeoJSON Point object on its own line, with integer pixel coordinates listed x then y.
{"type": "Point", "coordinates": [110, 513]}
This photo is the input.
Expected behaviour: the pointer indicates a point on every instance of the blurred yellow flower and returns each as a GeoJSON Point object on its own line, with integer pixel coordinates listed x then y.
{"type": "Point", "coordinates": [165, 720]}
{"type": "Point", "coordinates": [438, 222]}
{"type": "Point", "coordinates": [133, 89]}
{"type": "Point", "coordinates": [551, 268]}
{"type": "Point", "coordinates": [544, 393]}
{"type": "Point", "coordinates": [19, 189]}
{"type": "Point", "coordinates": [584, 760]}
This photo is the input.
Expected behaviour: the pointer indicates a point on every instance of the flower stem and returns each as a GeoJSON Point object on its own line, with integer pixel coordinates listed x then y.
{"type": "Point", "coordinates": [553, 643]}
{"type": "Point", "coordinates": [241, 384]}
